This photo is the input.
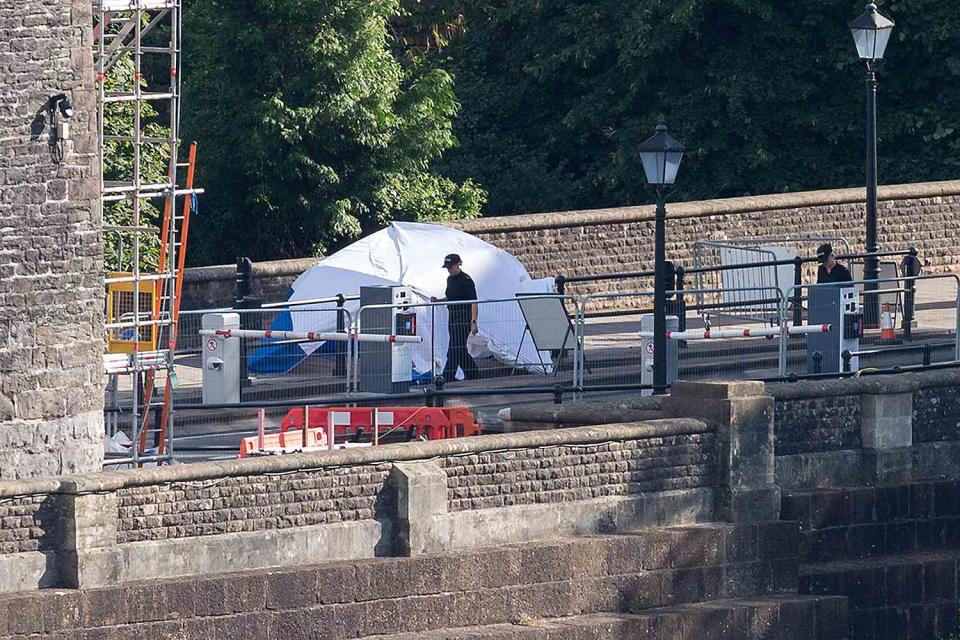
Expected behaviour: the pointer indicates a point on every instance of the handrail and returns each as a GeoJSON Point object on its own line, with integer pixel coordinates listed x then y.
{"type": "Point", "coordinates": [732, 267]}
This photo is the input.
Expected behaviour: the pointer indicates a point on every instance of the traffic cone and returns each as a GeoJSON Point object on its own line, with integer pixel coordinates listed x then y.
{"type": "Point", "coordinates": [887, 333]}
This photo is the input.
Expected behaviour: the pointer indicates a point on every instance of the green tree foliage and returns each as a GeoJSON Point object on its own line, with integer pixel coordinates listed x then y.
{"type": "Point", "coordinates": [768, 96]}
{"type": "Point", "coordinates": [310, 131]}
{"type": "Point", "coordinates": [118, 163]}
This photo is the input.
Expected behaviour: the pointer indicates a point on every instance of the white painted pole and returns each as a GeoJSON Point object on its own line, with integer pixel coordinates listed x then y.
{"type": "Point", "coordinates": [763, 332]}
{"type": "Point", "coordinates": [261, 420]}
{"type": "Point", "coordinates": [309, 335]}
{"type": "Point", "coordinates": [331, 430]}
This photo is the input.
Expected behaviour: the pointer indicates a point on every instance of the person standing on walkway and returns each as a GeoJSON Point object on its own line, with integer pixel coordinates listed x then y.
{"type": "Point", "coordinates": [830, 270]}
{"type": "Point", "coordinates": [462, 321]}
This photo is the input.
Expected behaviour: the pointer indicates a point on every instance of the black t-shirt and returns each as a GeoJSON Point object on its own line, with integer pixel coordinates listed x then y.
{"type": "Point", "coordinates": [460, 287]}
{"type": "Point", "coordinates": [839, 273]}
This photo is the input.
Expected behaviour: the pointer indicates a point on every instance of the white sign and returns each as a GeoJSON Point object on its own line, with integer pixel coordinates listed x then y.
{"type": "Point", "coordinates": [212, 344]}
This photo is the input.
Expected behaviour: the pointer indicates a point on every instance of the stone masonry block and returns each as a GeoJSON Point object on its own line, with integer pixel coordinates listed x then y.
{"type": "Point", "coordinates": [886, 421]}
{"type": "Point", "coordinates": [291, 589]}
{"type": "Point", "coordinates": [227, 594]}
{"type": "Point", "coordinates": [716, 390]}
{"type": "Point", "coordinates": [778, 540]}
{"type": "Point", "coordinates": [421, 499]}
{"type": "Point", "coordinates": [742, 415]}
{"type": "Point", "coordinates": [89, 551]}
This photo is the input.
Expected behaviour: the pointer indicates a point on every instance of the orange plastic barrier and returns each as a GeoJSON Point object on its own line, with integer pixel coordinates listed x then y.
{"type": "Point", "coordinates": [431, 423]}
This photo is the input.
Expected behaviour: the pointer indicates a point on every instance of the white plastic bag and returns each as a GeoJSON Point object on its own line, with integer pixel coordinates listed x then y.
{"type": "Point", "coordinates": [478, 348]}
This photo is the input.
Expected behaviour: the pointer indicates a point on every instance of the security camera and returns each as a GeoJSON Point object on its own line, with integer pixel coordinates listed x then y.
{"type": "Point", "coordinates": [61, 103]}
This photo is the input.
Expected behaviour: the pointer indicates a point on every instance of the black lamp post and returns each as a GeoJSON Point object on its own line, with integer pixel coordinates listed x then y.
{"type": "Point", "coordinates": [871, 33]}
{"type": "Point", "coordinates": [661, 155]}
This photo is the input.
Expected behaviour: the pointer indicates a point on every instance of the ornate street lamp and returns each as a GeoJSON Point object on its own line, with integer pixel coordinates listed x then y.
{"type": "Point", "coordinates": [871, 33]}
{"type": "Point", "coordinates": [661, 155]}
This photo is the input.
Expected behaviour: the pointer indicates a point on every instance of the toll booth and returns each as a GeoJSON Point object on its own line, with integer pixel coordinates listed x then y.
{"type": "Point", "coordinates": [839, 307]}
{"type": "Point", "coordinates": [647, 351]}
{"type": "Point", "coordinates": [386, 367]}
{"type": "Point", "coordinates": [221, 360]}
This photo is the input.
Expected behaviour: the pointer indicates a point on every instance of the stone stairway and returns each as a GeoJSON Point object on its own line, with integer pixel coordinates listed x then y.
{"type": "Point", "coordinates": [893, 551]}
{"type": "Point", "coordinates": [710, 581]}
{"type": "Point", "coordinates": [764, 618]}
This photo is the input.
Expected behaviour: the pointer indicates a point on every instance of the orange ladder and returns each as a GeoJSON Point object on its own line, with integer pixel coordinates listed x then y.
{"type": "Point", "coordinates": [164, 300]}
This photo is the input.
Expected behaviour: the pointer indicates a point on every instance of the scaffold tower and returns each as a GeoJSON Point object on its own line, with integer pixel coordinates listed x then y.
{"type": "Point", "coordinates": [146, 195]}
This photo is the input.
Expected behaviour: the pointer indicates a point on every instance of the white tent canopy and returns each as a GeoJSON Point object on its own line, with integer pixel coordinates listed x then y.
{"type": "Point", "coordinates": [412, 254]}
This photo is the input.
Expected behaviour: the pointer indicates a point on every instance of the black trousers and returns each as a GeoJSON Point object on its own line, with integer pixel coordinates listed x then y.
{"type": "Point", "coordinates": [457, 354]}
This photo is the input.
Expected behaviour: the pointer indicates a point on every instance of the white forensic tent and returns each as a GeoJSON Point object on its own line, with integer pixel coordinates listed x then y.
{"type": "Point", "coordinates": [412, 254]}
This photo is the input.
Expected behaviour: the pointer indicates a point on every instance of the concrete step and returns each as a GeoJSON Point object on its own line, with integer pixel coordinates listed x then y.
{"type": "Point", "coordinates": [782, 617]}
{"type": "Point", "coordinates": [640, 572]}
{"type": "Point", "coordinates": [862, 522]}
{"type": "Point", "coordinates": [910, 596]}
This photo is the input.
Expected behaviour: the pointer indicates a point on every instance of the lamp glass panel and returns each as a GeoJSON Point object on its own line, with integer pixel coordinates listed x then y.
{"type": "Point", "coordinates": [865, 39]}
{"type": "Point", "coordinates": [880, 46]}
{"type": "Point", "coordinates": [672, 166]}
{"type": "Point", "coordinates": [653, 162]}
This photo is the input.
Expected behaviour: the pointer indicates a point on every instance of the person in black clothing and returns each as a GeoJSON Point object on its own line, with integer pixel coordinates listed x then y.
{"type": "Point", "coordinates": [462, 320]}
{"type": "Point", "coordinates": [830, 270]}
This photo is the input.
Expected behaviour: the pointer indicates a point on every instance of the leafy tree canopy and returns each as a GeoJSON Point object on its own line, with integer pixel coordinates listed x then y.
{"type": "Point", "coordinates": [310, 131]}
{"type": "Point", "coordinates": [768, 96]}
{"type": "Point", "coordinates": [118, 163]}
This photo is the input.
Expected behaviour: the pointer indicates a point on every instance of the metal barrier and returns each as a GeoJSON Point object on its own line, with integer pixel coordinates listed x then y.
{"type": "Point", "coordinates": [592, 351]}
{"type": "Point", "coordinates": [923, 318]}
{"type": "Point", "coordinates": [275, 365]}
{"type": "Point", "coordinates": [616, 351]}
{"type": "Point", "coordinates": [724, 253]}
{"type": "Point", "coordinates": [525, 335]}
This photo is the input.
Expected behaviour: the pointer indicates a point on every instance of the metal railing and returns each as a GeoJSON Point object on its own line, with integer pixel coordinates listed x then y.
{"type": "Point", "coordinates": [600, 352]}
{"type": "Point", "coordinates": [527, 334]}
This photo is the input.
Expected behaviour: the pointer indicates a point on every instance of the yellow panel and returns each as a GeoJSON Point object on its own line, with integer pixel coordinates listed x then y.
{"type": "Point", "coordinates": [120, 309]}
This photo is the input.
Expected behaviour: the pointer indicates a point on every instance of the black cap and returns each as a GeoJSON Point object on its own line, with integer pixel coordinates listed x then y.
{"type": "Point", "coordinates": [823, 252]}
{"type": "Point", "coordinates": [451, 259]}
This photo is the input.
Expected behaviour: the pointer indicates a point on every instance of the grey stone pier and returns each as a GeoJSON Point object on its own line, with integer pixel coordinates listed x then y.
{"type": "Point", "coordinates": [51, 326]}
{"type": "Point", "coordinates": [742, 414]}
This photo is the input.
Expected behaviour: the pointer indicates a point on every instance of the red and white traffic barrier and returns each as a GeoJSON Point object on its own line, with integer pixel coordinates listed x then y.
{"type": "Point", "coordinates": [310, 335]}
{"type": "Point", "coordinates": [763, 332]}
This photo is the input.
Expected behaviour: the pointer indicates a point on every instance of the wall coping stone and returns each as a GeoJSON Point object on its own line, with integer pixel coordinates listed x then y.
{"type": "Point", "coordinates": [113, 480]}
{"type": "Point", "coordinates": [703, 208]}
{"type": "Point", "coordinates": [723, 390]}
{"type": "Point", "coordinates": [271, 268]}
{"type": "Point", "coordinates": [906, 382]}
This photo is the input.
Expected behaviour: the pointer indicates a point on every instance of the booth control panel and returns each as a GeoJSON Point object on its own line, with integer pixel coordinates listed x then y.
{"type": "Point", "coordinates": [386, 367]}
{"type": "Point", "coordinates": [839, 307]}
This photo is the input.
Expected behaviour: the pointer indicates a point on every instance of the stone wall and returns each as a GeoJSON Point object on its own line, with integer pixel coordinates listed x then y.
{"type": "Point", "coordinates": [51, 336]}
{"type": "Point", "coordinates": [809, 425]}
{"type": "Point", "coordinates": [610, 240]}
{"type": "Point", "coordinates": [251, 503]}
{"type": "Point", "coordinates": [867, 430]}
{"type": "Point", "coordinates": [118, 526]}
{"type": "Point", "coordinates": [660, 583]}
{"type": "Point", "coordinates": [936, 414]}
{"type": "Point", "coordinates": [925, 215]}
{"type": "Point", "coordinates": [28, 524]}
{"type": "Point", "coordinates": [538, 476]}
{"type": "Point", "coordinates": [214, 287]}
{"type": "Point", "coordinates": [869, 522]}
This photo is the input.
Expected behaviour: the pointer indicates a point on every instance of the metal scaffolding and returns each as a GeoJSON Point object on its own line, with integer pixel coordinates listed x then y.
{"type": "Point", "coordinates": [137, 55]}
